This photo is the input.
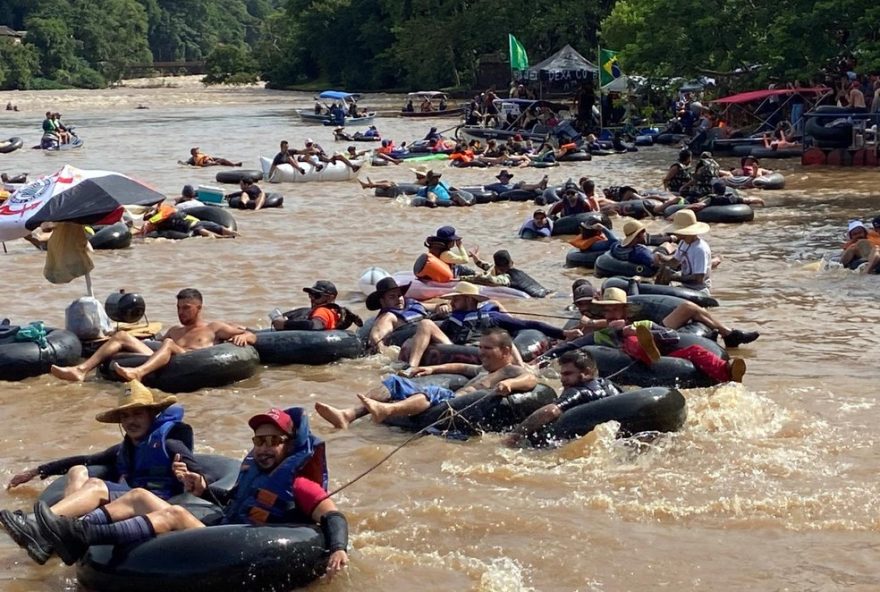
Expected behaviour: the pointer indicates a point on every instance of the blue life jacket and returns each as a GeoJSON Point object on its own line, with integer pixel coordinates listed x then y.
{"type": "Point", "coordinates": [262, 497]}
{"type": "Point", "coordinates": [462, 327]}
{"type": "Point", "coordinates": [412, 312]}
{"type": "Point", "coordinates": [150, 466]}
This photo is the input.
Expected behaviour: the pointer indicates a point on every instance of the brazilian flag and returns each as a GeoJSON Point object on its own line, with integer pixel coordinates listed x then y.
{"type": "Point", "coordinates": [609, 69]}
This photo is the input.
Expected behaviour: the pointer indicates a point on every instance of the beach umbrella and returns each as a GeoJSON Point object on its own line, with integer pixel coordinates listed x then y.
{"type": "Point", "coordinates": [74, 196]}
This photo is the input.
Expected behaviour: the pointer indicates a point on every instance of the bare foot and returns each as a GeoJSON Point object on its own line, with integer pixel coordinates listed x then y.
{"type": "Point", "coordinates": [355, 167]}
{"type": "Point", "coordinates": [363, 185]}
{"type": "Point", "coordinates": [71, 373]}
{"type": "Point", "coordinates": [377, 409]}
{"type": "Point", "coordinates": [333, 415]}
{"type": "Point", "coordinates": [238, 164]}
{"type": "Point", "coordinates": [128, 374]}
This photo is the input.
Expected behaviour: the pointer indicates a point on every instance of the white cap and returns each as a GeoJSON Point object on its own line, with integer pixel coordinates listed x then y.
{"type": "Point", "coordinates": [855, 224]}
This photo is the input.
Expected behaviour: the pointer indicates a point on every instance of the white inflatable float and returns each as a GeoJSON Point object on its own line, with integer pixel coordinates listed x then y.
{"type": "Point", "coordinates": [285, 173]}
{"type": "Point", "coordinates": [426, 290]}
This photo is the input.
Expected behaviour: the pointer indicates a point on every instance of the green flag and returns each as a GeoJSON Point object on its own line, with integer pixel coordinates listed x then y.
{"type": "Point", "coordinates": [519, 60]}
{"type": "Point", "coordinates": [608, 67]}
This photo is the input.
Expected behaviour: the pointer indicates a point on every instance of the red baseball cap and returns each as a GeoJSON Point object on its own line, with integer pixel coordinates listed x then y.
{"type": "Point", "coordinates": [275, 417]}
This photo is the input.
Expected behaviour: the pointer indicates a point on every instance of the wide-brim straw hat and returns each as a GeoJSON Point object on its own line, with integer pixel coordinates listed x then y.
{"type": "Point", "coordinates": [135, 396]}
{"type": "Point", "coordinates": [684, 223]}
{"type": "Point", "coordinates": [466, 289]}
{"type": "Point", "coordinates": [631, 230]}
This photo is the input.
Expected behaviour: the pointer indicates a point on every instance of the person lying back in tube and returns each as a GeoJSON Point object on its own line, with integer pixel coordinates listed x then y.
{"type": "Point", "coordinates": [323, 314]}
{"type": "Point", "coordinates": [283, 480]}
{"type": "Point", "coordinates": [155, 437]}
{"type": "Point", "coordinates": [398, 396]}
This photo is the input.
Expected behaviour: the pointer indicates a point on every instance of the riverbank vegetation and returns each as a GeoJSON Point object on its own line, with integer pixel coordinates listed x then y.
{"type": "Point", "coordinates": [407, 44]}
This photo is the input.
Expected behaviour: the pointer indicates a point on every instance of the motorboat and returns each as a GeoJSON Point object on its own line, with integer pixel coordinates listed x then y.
{"type": "Point", "coordinates": [428, 103]}
{"type": "Point", "coordinates": [325, 114]}
{"type": "Point", "coordinates": [535, 120]}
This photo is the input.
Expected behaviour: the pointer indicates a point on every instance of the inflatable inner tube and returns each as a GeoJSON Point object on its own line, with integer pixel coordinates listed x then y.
{"type": "Point", "coordinates": [273, 200]}
{"type": "Point", "coordinates": [214, 214]}
{"type": "Point", "coordinates": [732, 214]}
{"type": "Point", "coordinates": [486, 412]}
{"type": "Point", "coordinates": [11, 145]}
{"type": "Point", "coordinates": [657, 409]}
{"type": "Point", "coordinates": [678, 291]}
{"type": "Point", "coordinates": [215, 366]}
{"type": "Point", "coordinates": [398, 189]}
{"type": "Point", "coordinates": [306, 347]}
{"type": "Point", "coordinates": [669, 372]}
{"type": "Point", "coordinates": [608, 266]}
{"type": "Point", "coordinates": [571, 224]}
{"type": "Point", "coordinates": [23, 359]}
{"type": "Point", "coordinates": [113, 236]}
{"type": "Point", "coordinates": [518, 195]}
{"type": "Point", "coordinates": [530, 343]}
{"type": "Point", "coordinates": [236, 175]}
{"type": "Point", "coordinates": [549, 196]}
{"type": "Point", "coordinates": [579, 156]}
{"type": "Point", "coordinates": [577, 258]}
{"type": "Point", "coordinates": [237, 558]}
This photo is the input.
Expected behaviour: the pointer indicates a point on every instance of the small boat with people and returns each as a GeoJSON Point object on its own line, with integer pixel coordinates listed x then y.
{"type": "Point", "coordinates": [429, 103]}
{"type": "Point", "coordinates": [334, 107]}
{"type": "Point", "coordinates": [520, 119]}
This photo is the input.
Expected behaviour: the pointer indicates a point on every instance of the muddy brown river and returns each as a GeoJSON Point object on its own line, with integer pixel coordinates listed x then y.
{"type": "Point", "coordinates": [771, 485]}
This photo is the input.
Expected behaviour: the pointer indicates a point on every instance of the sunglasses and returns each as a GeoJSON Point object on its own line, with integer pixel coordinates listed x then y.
{"type": "Point", "coordinates": [268, 441]}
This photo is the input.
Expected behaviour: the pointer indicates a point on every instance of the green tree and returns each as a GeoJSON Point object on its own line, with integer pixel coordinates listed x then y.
{"type": "Point", "coordinates": [230, 64]}
{"type": "Point", "coordinates": [18, 63]}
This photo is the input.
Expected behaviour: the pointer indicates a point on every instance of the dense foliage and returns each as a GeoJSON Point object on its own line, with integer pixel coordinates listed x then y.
{"type": "Point", "coordinates": [407, 44]}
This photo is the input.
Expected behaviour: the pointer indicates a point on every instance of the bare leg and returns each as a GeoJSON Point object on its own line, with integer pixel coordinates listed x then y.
{"type": "Point", "coordinates": [157, 360]}
{"type": "Point", "coordinates": [136, 502]}
{"type": "Point", "coordinates": [121, 341]}
{"type": "Point", "coordinates": [92, 494]}
{"type": "Point", "coordinates": [260, 201]}
{"type": "Point", "coordinates": [341, 418]}
{"type": "Point", "coordinates": [427, 332]}
{"type": "Point", "coordinates": [381, 411]}
{"type": "Point", "coordinates": [76, 478]}
{"type": "Point", "coordinates": [347, 162]}
{"type": "Point", "coordinates": [225, 162]}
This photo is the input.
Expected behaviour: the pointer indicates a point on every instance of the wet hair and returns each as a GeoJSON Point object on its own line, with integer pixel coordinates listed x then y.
{"type": "Point", "coordinates": [190, 294]}
{"type": "Point", "coordinates": [502, 257]}
{"type": "Point", "coordinates": [501, 336]}
{"type": "Point", "coordinates": [285, 143]}
{"type": "Point", "coordinates": [684, 155]}
{"type": "Point", "coordinates": [581, 360]}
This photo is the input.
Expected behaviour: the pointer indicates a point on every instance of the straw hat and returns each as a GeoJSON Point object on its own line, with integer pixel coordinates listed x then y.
{"type": "Point", "coordinates": [684, 223]}
{"type": "Point", "coordinates": [466, 289]}
{"type": "Point", "coordinates": [135, 396]}
{"type": "Point", "coordinates": [420, 171]}
{"type": "Point", "coordinates": [612, 296]}
{"type": "Point", "coordinates": [631, 229]}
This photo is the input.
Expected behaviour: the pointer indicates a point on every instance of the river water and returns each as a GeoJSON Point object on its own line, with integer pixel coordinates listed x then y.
{"type": "Point", "coordinates": [770, 486]}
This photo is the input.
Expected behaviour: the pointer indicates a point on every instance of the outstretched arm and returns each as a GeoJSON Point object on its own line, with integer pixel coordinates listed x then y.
{"type": "Point", "coordinates": [236, 334]}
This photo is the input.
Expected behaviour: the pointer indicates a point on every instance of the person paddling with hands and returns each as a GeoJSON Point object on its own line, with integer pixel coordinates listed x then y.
{"type": "Point", "coordinates": [283, 480]}
{"type": "Point", "coordinates": [156, 445]}
{"type": "Point", "coordinates": [193, 333]}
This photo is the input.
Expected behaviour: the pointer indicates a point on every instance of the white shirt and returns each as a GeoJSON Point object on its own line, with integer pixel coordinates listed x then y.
{"type": "Point", "coordinates": [695, 258]}
{"type": "Point", "coordinates": [187, 204]}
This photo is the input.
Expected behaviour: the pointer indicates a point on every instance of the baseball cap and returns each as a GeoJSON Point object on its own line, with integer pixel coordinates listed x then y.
{"type": "Point", "coordinates": [322, 287]}
{"type": "Point", "coordinates": [275, 417]}
{"type": "Point", "coordinates": [583, 292]}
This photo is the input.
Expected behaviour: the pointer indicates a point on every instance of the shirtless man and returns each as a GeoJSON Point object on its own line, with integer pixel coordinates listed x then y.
{"type": "Point", "coordinates": [193, 333]}
{"type": "Point", "coordinates": [286, 156]}
{"type": "Point", "coordinates": [200, 159]}
{"type": "Point", "coordinates": [400, 396]}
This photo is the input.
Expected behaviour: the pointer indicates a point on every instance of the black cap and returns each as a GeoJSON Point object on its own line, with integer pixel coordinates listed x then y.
{"type": "Point", "coordinates": [323, 288]}
{"type": "Point", "coordinates": [875, 221]}
{"type": "Point", "coordinates": [188, 191]}
{"type": "Point", "coordinates": [719, 187]}
{"type": "Point", "coordinates": [583, 292]}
